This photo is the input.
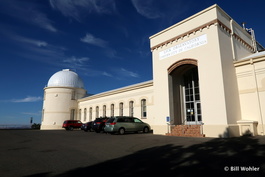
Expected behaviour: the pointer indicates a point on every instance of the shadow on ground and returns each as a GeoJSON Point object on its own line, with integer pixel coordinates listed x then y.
{"type": "Point", "coordinates": [217, 156]}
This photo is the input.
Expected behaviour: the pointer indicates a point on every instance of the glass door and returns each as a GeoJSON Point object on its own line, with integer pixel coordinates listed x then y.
{"type": "Point", "coordinates": [191, 92]}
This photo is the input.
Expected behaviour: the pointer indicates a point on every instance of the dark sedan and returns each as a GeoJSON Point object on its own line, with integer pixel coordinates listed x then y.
{"type": "Point", "coordinates": [99, 124]}
{"type": "Point", "coordinates": [87, 126]}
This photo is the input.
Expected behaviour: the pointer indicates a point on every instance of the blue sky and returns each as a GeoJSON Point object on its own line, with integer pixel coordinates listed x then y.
{"type": "Point", "coordinates": [105, 41]}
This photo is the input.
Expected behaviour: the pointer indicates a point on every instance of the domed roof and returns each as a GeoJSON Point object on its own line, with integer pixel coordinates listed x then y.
{"type": "Point", "coordinates": [65, 78]}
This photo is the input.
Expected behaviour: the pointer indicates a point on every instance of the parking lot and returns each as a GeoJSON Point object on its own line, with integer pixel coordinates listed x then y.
{"type": "Point", "coordinates": [77, 153]}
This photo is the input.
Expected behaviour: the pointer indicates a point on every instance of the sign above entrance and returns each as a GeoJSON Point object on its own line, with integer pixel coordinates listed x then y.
{"type": "Point", "coordinates": [183, 47]}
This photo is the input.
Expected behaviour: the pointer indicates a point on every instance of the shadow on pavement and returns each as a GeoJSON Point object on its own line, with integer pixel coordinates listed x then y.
{"type": "Point", "coordinates": [220, 157]}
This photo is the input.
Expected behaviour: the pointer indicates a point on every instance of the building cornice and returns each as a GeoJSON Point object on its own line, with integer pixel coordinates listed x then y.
{"type": "Point", "coordinates": [215, 22]}
{"type": "Point", "coordinates": [51, 87]}
{"type": "Point", "coordinates": [249, 61]}
{"type": "Point", "coordinates": [120, 90]}
{"type": "Point", "coordinates": [200, 28]}
{"type": "Point", "coordinates": [181, 36]}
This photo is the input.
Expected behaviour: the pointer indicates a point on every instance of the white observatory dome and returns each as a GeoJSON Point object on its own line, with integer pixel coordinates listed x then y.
{"type": "Point", "coordinates": [65, 78]}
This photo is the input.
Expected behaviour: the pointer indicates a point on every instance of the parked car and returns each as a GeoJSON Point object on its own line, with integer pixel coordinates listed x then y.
{"type": "Point", "coordinates": [87, 126]}
{"type": "Point", "coordinates": [72, 124]}
{"type": "Point", "coordinates": [99, 124]}
{"type": "Point", "coordinates": [122, 124]}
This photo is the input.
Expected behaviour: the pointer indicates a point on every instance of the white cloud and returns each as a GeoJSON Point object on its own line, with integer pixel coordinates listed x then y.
{"type": "Point", "coordinates": [146, 8]}
{"type": "Point", "coordinates": [107, 74]}
{"type": "Point", "coordinates": [38, 50]}
{"type": "Point", "coordinates": [90, 39]}
{"type": "Point", "coordinates": [27, 99]}
{"type": "Point", "coordinates": [77, 9]}
{"type": "Point", "coordinates": [129, 73]}
{"type": "Point", "coordinates": [27, 12]}
{"type": "Point", "coordinates": [30, 41]}
{"type": "Point", "coordinates": [41, 20]}
{"type": "Point", "coordinates": [76, 63]}
{"type": "Point", "coordinates": [122, 73]}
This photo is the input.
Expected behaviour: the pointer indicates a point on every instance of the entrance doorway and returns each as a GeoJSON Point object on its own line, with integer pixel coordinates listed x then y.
{"type": "Point", "coordinates": [191, 97]}
{"type": "Point", "coordinates": [184, 93]}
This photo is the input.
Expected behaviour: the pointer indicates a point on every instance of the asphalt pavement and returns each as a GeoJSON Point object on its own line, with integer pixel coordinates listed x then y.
{"type": "Point", "coordinates": [35, 153]}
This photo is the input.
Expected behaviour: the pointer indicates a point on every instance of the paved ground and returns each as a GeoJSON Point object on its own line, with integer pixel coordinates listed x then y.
{"type": "Point", "coordinates": [35, 153]}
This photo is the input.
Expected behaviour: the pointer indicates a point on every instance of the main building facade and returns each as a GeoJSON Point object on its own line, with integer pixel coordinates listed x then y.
{"type": "Point", "coordinates": [208, 80]}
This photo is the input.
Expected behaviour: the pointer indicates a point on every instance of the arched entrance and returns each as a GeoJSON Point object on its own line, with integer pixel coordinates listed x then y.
{"type": "Point", "coordinates": [184, 93]}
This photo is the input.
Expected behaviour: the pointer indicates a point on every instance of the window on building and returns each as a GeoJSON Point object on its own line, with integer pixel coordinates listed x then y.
{"type": "Point", "coordinates": [104, 110]}
{"type": "Point", "coordinates": [131, 108]}
{"type": "Point", "coordinates": [121, 109]}
{"type": "Point", "coordinates": [72, 115]}
{"type": "Point", "coordinates": [112, 110]}
{"type": "Point", "coordinates": [143, 108]}
{"type": "Point", "coordinates": [73, 95]}
{"type": "Point", "coordinates": [79, 114]}
{"type": "Point", "coordinates": [90, 114]}
{"type": "Point", "coordinates": [97, 112]}
{"type": "Point", "coordinates": [85, 112]}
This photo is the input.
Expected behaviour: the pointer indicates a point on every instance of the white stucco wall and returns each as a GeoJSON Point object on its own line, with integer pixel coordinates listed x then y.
{"type": "Point", "coordinates": [57, 105]}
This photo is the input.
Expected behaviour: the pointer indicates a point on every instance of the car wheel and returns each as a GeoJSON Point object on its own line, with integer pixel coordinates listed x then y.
{"type": "Point", "coordinates": [71, 128]}
{"type": "Point", "coordinates": [146, 130]}
{"type": "Point", "coordinates": [121, 131]}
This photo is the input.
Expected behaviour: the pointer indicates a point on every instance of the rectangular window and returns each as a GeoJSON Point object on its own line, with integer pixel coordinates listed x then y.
{"type": "Point", "coordinates": [72, 115]}
{"type": "Point", "coordinates": [73, 95]}
{"type": "Point", "coordinates": [80, 114]}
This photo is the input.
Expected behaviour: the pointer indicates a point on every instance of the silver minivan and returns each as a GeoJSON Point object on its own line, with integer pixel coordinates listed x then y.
{"type": "Point", "coordinates": [122, 124]}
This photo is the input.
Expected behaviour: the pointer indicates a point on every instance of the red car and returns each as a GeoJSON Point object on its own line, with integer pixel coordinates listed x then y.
{"type": "Point", "coordinates": [71, 124]}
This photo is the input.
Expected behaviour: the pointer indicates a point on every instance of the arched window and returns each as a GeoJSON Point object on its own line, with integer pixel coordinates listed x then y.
{"type": "Point", "coordinates": [112, 110]}
{"type": "Point", "coordinates": [121, 109]}
{"type": "Point", "coordinates": [104, 110]}
{"type": "Point", "coordinates": [97, 112]}
{"type": "Point", "coordinates": [131, 108]}
{"type": "Point", "coordinates": [143, 108]}
{"type": "Point", "coordinates": [84, 114]}
{"type": "Point", "coordinates": [90, 114]}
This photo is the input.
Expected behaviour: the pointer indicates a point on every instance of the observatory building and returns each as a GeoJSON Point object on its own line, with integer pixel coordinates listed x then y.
{"type": "Point", "coordinates": [208, 80]}
{"type": "Point", "coordinates": [60, 98]}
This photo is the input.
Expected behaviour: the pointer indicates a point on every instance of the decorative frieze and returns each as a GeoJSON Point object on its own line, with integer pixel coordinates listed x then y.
{"type": "Point", "coordinates": [199, 29]}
